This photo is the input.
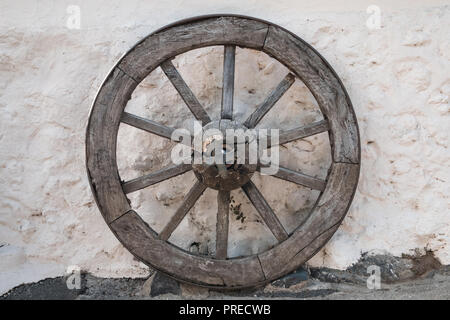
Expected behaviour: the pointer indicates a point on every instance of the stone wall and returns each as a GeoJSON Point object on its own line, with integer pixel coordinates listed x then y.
{"type": "Point", "coordinates": [397, 77]}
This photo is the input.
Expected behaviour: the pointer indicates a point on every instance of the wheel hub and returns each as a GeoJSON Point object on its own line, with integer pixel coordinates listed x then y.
{"type": "Point", "coordinates": [225, 171]}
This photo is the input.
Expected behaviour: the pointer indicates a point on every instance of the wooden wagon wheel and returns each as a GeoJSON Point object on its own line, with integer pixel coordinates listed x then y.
{"type": "Point", "coordinates": [158, 49]}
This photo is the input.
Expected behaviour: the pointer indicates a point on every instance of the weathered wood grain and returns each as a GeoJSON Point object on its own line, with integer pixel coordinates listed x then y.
{"type": "Point", "coordinates": [144, 243]}
{"type": "Point", "coordinates": [286, 136]}
{"type": "Point", "coordinates": [270, 101]}
{"type": "Point", "coordinates": [228, 82]}
{"type": "Point", "coordinates": [326, 215]}
{"type": "Point", "coordinates": [188, 202]}
{"type": "Point", "coordinates": [186, 94]}
{"type": "Point", "coordinates": [325, 86]}
{"type": "Point", "coordinates": [300, 178]}
{"type": "Point", "coordinates": [147, 125]}
{"type": "Point", "coordinates": [265, 211]}
{"type": "Point", "coordinates": [223, 208]}
{"type": "Point", "coordinates": [167, 43]}
{"type": "Point", "coordinates": [155, 177]}
{"type": "Point", "coordinates": [101, 138]}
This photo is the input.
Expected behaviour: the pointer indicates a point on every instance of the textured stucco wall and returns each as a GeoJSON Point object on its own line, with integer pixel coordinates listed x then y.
{"type": "Point", "coordinates": [397, 77]}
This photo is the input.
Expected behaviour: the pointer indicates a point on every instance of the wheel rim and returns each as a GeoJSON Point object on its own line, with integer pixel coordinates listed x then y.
{"type": "Point", "coordinates": [230, 31]}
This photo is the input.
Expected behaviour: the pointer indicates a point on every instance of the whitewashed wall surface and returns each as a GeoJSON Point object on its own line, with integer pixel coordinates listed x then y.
{"type": "Point", "coordinates": [392, 56]}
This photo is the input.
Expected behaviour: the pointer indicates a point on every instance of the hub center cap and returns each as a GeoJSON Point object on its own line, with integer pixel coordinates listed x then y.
{"type": "Point", "coordinates": [226, 170]}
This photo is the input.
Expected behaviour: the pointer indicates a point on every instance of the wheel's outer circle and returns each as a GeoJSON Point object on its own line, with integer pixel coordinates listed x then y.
{"type": "Point", "coordinates": [300, 58]}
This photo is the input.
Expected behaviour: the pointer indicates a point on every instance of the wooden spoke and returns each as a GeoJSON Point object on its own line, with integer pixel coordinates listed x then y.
{"type": "Point", "coordinates": [228, 82]}
{"type": "Point", "coordinates": [270, 101]}
{"type": "Point", "coordinates": [184, 91]}
{"type": "Point", "coordinates": [301, 132]}
{"type": "Point", "coordinates": [223, 207]}
{"type": "Point", "coordinates": [299, 178]}
{"type": "Point", "coordinates": [155, 177]}
{"type": "Point", "coordinates": [147, 125]}
{"type": "Point", "coordinates": [188, 202]}
{"type": "Point", "coordinates": [265, 211]}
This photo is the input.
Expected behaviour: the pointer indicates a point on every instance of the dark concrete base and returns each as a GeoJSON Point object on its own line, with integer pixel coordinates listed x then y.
{"type": "Point", "coordinates": [397, 274]}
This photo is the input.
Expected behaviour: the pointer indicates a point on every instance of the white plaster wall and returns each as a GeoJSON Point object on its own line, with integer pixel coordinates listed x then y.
{"type": "Point", "coordinates": [397, 77]}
